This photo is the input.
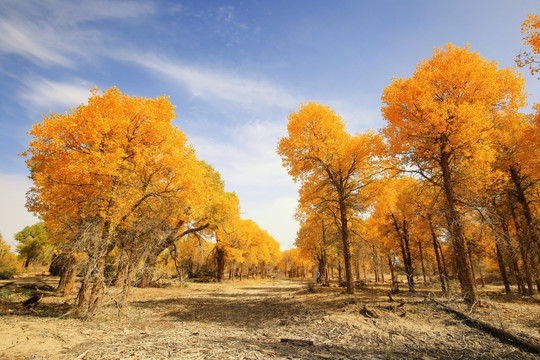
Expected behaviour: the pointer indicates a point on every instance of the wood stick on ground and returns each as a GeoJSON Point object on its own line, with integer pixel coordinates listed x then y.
{"type": "Point", "coordinates": [490, 329]}
{"type": "Point", "coordinates": [7, 284]}
{"type": "Point", "coordinates": [299, 342]}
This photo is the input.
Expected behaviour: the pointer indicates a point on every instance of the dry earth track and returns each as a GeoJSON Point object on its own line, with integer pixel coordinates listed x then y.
{"type": "Point", "coordinates": [247, 320]}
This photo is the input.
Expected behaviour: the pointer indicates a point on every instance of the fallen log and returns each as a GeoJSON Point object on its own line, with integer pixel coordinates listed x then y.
{"type": "Point", "coordinates": [32, 301]}
{"type": "Point", "coordinates": [7, 284]}
{"type": "Point", "coordinates": [368, 312]}
{"type": "Point", "coordinates": [298, 342]}
{"type": "Point", "coordinates": [501, 334]}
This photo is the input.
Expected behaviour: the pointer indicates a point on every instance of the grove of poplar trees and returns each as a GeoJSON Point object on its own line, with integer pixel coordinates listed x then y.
{"type": "Point", "coordinates": [449, 186]}
{"type": "Point", "coordinates": [117, 185]}
{"type": "Point", "coordinates": [447, 189]}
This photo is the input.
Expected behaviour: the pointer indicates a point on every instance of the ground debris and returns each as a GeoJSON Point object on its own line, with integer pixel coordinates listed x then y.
{"type": "Point", "coordinates": [248, 319]}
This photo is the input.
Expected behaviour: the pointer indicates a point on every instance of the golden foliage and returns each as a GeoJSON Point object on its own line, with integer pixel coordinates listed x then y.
{"type": "Point", "coordinates": [530, 28]}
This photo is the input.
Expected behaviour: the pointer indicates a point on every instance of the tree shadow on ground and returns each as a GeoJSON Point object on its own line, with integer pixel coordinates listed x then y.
{"type": "Point", "coordinates": [14, 292]}
{"type": "Point", "coordinates": [227, 310]}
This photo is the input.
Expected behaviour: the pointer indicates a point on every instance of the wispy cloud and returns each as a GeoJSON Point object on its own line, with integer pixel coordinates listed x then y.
{"type": "Point", "coordinates": [53, 33]}
{"type": "Point", "coordinates": [246, 155]}
{"type": "Point", "coordinates": [19, 39]}
{"type": "Point", "coordinates": [247, 160]}
{"type": "Point", "coordinates": [43, 93]}
{"type": "Point", "coordinates": [216, 84]}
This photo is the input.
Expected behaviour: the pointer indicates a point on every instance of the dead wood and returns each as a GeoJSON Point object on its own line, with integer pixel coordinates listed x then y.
{"type": "Point", "coordinates": [297, 342]}
{"type": "Point", "coordinates": [501, 334]}
{"type": "Point", "coordinates": [32, 301]}
{"type": "Point", "coordinates": [368, 313]}
{"type": "Point", "coordinates": [6, 284]}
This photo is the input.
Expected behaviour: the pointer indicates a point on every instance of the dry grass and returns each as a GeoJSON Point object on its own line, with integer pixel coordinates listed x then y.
{"type": "Point", "coordinates": [246, 320]}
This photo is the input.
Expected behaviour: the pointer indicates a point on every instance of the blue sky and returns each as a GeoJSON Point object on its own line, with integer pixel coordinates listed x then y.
{"type": "Point", "coordinates": [234, 69]}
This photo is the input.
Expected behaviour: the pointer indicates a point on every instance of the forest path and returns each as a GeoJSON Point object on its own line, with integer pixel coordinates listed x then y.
{"type": "Point", "coordinates": [247, 320]}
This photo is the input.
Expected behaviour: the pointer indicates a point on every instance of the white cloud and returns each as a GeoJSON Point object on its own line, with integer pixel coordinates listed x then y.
{"type": "Point", "coordinates": [246, 155]}
{"type": "Point", "coordinates": [52, 33]}
{"type": "Point", "coordinates": [216, 84]}
{"type": "Point", "coordinates": [247, 160]}
{"type": "Point", "coordinates": [13, 214]}
{"type": "Point", "coordinates": [21, 40]}
{"type": "Point", "coordinates": [45, 93]}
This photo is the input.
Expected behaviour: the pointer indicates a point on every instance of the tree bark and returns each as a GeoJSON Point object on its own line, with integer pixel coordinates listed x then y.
{"type": "Point", "coordinates": [463, 262]}
{"type": "Point", "coordinates": [395, 286]}
{"type": "Point", "coordinates": [67, 275]}
{"type": "Point", "coordinates": [67, 281]}
{"type": "Point", "coordinates": [512, 256]}
{"type": "Point", "coordinates": [437, 257]}
{"type": "Point", "coordinates": [502, 267]}
{"type": "Point", "coordinates": [121, 271]}
{"type": "Point", "coordinates": [403, 235]}
{"type": "Point", "coordinates": [346, 247]}
{"type": "Point", "coordinates": [523, 249]}
{"type": "Point", "coordinates": [220, 263]}
{"type": "Point", "coordinates": [525, 207]}
{"type": "Point", "coordinates": [422, 261]}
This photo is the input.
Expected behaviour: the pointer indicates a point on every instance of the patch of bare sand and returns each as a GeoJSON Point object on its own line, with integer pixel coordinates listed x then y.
{"type": "Point", "coordinates": [248, 319]}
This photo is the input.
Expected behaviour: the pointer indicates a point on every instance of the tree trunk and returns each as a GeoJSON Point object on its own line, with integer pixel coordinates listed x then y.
{"type": "Point", "coordinates": [364, 271]}
{"type": "Point", "coordinates": [94, 289]}
{"type": "Point", "coordinates": [121, 272]}
{"type": "Point", "coordinates": [437, 257]}
{"type": "Point", "coordinates": [381, 270]}
{"type": "Point", "coordinates": [149, 268]}
{"type": "Point", "coordinates": [340, 278]}
{"type": "Point", "coordinates": [472, 267]}
{"type": "Point", "coordinates": [422, 261]}
{"type": "Point", "coordinates": [357, 268]}
{"type": "Point", "coordinates": [395, 286]}
{"type": "Point", "coordinates": [346, 248]}
{"type": "Point", "coordinates": [375, 264]}
{"type": "Point", "coordinates": [67, 280]}
{"type": "Point", "coordinates": [512, 256]}
{"type": "Point", "coordinates": [220, 263]}
{"type": "Point", "coordinates": [68, 273]}
{"type": "Point", "coordinates": [482, 281]}
{"type": "Point", "coordinates": [523, 249]}
{"type": "Point", "coordinates": [322, 268]}
{"type": "Point", "coordinates": [446, 277]}
{"type": "Point", "coordinates": [403, 235]}
{"type": "Point", "coordinates": [461, 250]}
{"type": "Point", "coordinates": [502, 267]}
{"type": "Point", "coordinates": [126, 284]}
{"type": "Point", "coordinates": [522, 199]}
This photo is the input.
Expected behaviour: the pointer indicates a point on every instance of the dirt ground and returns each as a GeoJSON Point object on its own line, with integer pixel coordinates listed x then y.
{"type": "Point", "coordinates": [249, 319]}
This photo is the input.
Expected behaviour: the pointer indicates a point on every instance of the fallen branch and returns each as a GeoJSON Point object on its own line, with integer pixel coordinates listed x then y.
{"type": "Point", "coordinates": [490, 329]}
{"type": "Point", "coordinates": [298, 342]}
{"type": "Point", "coordinates": [11, 282]}
{"type": "Point", "coordinates": [368, 313]}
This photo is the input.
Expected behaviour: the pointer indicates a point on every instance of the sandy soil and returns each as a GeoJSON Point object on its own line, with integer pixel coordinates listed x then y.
{"type": "Point", "coordinates": [248, 320]}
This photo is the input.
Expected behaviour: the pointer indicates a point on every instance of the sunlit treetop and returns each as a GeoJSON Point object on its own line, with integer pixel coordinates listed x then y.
{"type": "Point", "coordinates": [449, 107]}
{"type": "Point", "coordinates": [104, 159]}
{"type": "Point", "coordinates": [531, 37]}
{"type": "Point", "coordinates": [316, 133]}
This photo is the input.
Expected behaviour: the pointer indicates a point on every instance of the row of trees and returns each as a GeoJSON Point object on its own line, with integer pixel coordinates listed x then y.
{"type": "Point", "coordinates": [455, 170]}
{"type": "Point", "coordinates": [116, 183]}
